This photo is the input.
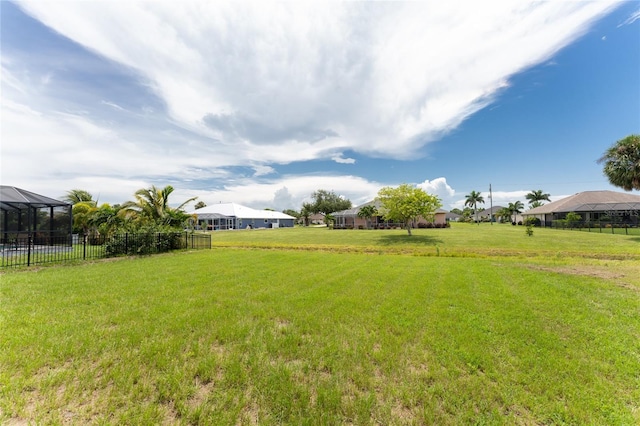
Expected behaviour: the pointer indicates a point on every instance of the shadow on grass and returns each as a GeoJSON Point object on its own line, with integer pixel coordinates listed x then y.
{"type": "Point", "coordinates": [406, 240]}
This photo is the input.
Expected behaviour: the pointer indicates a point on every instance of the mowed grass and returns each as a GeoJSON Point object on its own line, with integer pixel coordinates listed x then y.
{"type": "Point", "coordinates": [349, 329]}
{"type": "Point", "coordinates": [461, 239]}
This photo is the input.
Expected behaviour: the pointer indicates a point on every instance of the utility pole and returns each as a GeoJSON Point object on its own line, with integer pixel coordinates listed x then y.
{"type": "Point", "coordinates": [491, 198]}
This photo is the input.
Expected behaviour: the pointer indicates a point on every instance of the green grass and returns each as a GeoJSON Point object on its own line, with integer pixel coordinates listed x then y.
{"type": "Point", "coordinates": [311, 326]}
{"type": "Point", "coordinates": [459, 240]}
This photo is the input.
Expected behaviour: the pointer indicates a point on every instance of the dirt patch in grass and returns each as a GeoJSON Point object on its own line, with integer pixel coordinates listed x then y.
{"type": "Point", "coordinates": [620, 278]}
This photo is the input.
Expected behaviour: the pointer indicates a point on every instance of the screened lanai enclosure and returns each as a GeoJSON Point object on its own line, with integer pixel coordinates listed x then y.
{"type": "Point", "coordinates": [28, 219]}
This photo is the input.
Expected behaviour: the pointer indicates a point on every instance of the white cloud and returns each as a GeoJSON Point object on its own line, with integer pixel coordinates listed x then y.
{"type": "Point", "coordinates": [288, 192]}
{"type": "Point", "coordinates": [263, 170]}
{"type": "Point", "coordinates": [340, 159]}
{"type": "Point", "coordinates": [438, 186]}
{"type": "Point", "coordinates": [255, 84]}
{"type": "Point", "coordinates": [377, 78]}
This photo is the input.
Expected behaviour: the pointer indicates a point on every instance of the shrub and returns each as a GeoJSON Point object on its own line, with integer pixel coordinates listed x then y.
{"type": "Point", "coordinates": [529, 230]}
{"type": "Point", "coordinates": [533, 221]}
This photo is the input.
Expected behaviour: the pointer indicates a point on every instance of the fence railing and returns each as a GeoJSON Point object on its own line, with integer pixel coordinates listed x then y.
{"type": "Point", "coordinates": [597, 226]}
{"type": "Point", "coordinates": [25, 249]}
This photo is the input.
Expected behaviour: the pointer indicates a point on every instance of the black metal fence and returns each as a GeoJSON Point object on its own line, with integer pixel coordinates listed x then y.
{"type": "Point", "coordinates": [27, 249]}
{"type": "Point", "coordinates": [597, 226]}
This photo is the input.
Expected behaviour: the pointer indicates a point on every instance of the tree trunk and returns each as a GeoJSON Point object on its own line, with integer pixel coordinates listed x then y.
{"type": "Point", "coordinates": [408, 225]}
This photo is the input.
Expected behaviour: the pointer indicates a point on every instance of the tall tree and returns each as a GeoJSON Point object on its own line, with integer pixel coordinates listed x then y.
{"type": "Point", "coordinates": [515, 208]}
{"type": "Point", "coordinates": [82, 212]}
{"type": "Point", "coordinates": [504, 214]}
{"type": "Point", "coordinates": [152, 206]}
{"type": "Point", "coordinates": [406, 203]}
{"type": "Point", "coordinates": [367, 212]}
{"type": "Point", "coordinates": [76, 196]}
{"type": "Point", "coordinates": [326, 202]}
{"type": "Point", "coordinates": [536, 198]}
{"type": "Point", "coordinates": [622, 163]}
{"type": "Point", "coordinates": [305, 212]}
{"type": "Point", "coordinates": [472, 199]}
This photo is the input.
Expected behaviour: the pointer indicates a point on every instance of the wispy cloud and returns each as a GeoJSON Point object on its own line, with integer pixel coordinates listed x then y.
{"type": "Point", "coordinates": [631, 19]}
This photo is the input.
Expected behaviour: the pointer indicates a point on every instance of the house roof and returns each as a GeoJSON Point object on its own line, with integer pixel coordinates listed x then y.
{"type": "Point", "coordinates": [376, 203]}
{"type": "Point", "coordinates": [491, 210]}
{"type": "Point", "coordinates": [590, 201]}
{"type": "Point", "coordinates": [12, 198]}
{"type": "Point", "coordinates": [237, 211]}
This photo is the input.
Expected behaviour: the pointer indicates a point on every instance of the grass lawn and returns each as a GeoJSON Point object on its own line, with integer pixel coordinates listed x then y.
{"type": "Point", "coordinates": [313, 326]}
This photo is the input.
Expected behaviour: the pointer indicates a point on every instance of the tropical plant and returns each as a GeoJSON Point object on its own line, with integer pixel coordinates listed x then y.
{"type": "Point", "coordinates": [407, 203]}
{"type": "Point", "coordinates": [329, 219]}
{"type": "Point", "coordinates": [504, 214]}
{"type": "Point", "coordinates": [472, 199]}
{"type": "Point", "coordinates": [82, 213]}
{"type": "Point", "coordinates": [76, 196]}
{"type": "Point", "coordinates": [152, 207]}
{"type": "Point", "coordinates": [515, 208]}
{"type": "Point", "coordinates": [106, 220]}
{"type": "Point", "coordinates": [572, 219]}
{"type": "Point", "coordinates": [199, 205]}
{"type": "Point", "coordinates": [622, 163]}
{"type": "Point", "coordinates": [536, 198]}
{"type": "Point", "coordinates": [305, 213]}
{"type": "Point", "coordinates": [367, 212]}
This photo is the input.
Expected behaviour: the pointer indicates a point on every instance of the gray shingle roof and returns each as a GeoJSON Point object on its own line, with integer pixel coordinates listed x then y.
{"type": "Point", "coordinates": [590, 201]}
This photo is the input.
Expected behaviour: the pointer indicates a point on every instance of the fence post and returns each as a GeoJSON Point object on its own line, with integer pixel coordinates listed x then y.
{"type": "Point", "coordinates": [29, 240]}
{"type": "Point", "coordinates": [126, 243]}
{"type": "Point", "coordinates": [84, 246]}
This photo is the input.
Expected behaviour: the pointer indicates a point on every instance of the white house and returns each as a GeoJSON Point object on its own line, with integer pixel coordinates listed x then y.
{"type": "Point", "coordinates": [235, 216]}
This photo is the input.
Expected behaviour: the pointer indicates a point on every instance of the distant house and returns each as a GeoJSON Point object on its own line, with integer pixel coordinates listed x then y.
{"type": "Point", "coordinates": [452, 217]}
{"type": "Point", "coordinates": [349, 218]}
{"type": "Point", "coordinates": [316, 219]}
{"type": "Point", "coordinates": [592, 206]}
{"type": "Point", "coordinates": [235, 216]}
{"type": "Point", "coordinates": [487, 214]}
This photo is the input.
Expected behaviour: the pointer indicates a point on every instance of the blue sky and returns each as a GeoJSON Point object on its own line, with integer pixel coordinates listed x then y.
{"type": "Point", "coordinates": [261, 103]}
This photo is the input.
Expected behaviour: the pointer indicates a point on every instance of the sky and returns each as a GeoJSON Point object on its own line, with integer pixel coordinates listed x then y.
{"type": "Point", "coordinates": [263, 103]}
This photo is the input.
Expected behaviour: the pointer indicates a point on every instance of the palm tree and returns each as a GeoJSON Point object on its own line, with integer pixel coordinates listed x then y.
{"type": "Point", "coordinates": [305, 213]}
{"type": "Point", "coordinates": [622, 163]}
{"type": "Point", "coordinates": [76, 196]}
{"type": "Point", "coordinates": [367, 212]}
{"type": "Point", "coordinates": [152, 205]}
{"type": "Point", "coordinates": [536, 198]}
{"type": "Point", "coordinates": [515, 208]}
{"type": "Point", "coordinates": [83, 212]}
{"type": "Point", "coordinates": [473, 199]}
{"type": "Point", "coordinates": [504, 214]}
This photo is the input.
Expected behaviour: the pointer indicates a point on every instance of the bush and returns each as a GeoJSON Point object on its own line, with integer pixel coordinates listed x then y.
{"type": "Point", "coordinates": [533, 221]}
{"type": "Point", "coordinates": [143, 243]}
